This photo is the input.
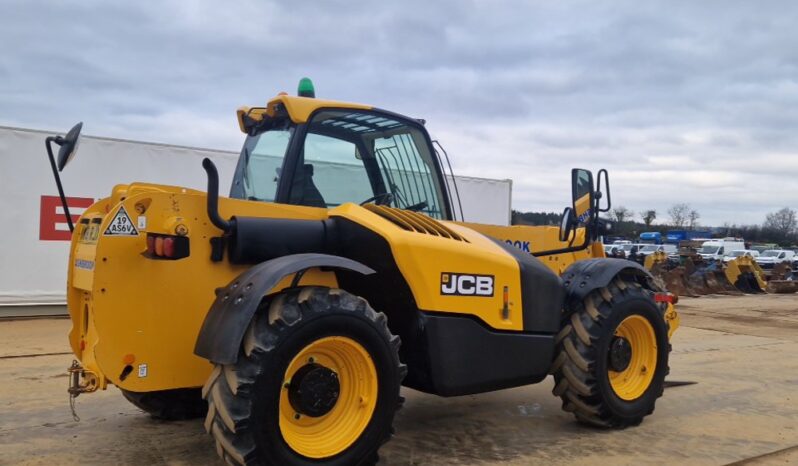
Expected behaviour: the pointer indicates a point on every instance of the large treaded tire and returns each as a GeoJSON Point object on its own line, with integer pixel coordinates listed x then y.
{"type": "Point", "coordinates": [243, 398]}
{"type": "Point", "coordinates": [170, 405]}
{"type": "Point", "coordinates": [581, 367]}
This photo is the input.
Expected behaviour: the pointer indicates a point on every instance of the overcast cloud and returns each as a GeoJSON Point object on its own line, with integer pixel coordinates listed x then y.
{"type": "Point", "coordinates": [682, 101]}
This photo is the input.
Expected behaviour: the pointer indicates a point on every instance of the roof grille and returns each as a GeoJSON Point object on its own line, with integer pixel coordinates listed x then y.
{"type": "Point", "coordinates": [414, 221]}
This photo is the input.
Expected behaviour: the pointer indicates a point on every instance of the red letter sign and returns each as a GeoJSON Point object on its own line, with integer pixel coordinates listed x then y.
{"type": "Point", "coordinates": [49, 216]}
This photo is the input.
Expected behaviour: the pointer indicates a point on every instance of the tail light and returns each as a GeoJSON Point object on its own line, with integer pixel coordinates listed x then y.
{"type": "Point", "coordinates": [167, 246]}
{"type": "Point", "coordinates": [666, 298]}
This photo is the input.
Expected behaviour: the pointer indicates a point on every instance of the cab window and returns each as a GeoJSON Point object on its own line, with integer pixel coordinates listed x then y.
{"type": "Point", "coordinates": [358, 156]}
{"type": "Point", "coordinates": [263, 159]}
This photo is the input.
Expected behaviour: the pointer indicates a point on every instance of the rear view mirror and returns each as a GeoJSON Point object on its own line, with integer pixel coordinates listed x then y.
{"type": "Point", "coordinates": [582, 192]}
{"type": "Point", "coordinates": [603, 189]}
{"type": "Point", "coordinates": [567, 224]}
{"type": "Point", "coordinates": [69, 146]}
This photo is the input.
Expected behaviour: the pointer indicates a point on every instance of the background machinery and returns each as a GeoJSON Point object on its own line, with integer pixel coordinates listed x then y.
{"type": "Point", "coordinates": [290, 313]}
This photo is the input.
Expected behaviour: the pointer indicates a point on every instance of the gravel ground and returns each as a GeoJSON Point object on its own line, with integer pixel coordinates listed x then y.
{"type": "Point", "coordinates": [740, 351]}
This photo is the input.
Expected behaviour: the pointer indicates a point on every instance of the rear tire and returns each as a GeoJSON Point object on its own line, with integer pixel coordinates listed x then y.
{"type": "Point", "coordinates": [254, 410]}
{"type": "Point", "coordinates": [170, 405]}
{"type": "Point", "coordinates": [585, 380]}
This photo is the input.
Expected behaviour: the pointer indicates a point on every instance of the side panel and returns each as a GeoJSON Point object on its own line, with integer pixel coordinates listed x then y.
{"type": "Point", "coordinates": [540, 238]}
{"type": "Point", "coordinates": [465, 357]}
{"type": "Point", "coordinates": [432, 264]}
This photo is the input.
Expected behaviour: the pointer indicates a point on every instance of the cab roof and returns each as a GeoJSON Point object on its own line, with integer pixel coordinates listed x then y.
{"type": "Point", "coordinates": [299, 109]}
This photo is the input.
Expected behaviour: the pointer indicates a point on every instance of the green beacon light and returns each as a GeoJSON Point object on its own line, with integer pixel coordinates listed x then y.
{"type": "Point", "coordinates": [306, 88]}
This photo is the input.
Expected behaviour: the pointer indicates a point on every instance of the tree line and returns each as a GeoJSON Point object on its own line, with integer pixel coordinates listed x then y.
{"type": "Point", "coordinates": [779, 227]}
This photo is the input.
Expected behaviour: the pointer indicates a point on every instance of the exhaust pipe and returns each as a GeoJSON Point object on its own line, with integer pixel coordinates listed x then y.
{"type": "Point", "coordinates": [213, 196]}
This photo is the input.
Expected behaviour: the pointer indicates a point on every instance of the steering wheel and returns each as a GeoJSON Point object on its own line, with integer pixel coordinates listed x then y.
{"type": "Point", "coordinates": [380, 199]}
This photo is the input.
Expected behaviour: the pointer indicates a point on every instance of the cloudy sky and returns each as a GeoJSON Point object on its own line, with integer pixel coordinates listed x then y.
{"type": "Point", "coordinates": [686, 101]}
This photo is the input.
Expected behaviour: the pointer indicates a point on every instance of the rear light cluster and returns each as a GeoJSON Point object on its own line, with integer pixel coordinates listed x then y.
{"type": "Point", "coordinates": [167, 246]}
{"type": "Point", "coordinates": [666, 298]}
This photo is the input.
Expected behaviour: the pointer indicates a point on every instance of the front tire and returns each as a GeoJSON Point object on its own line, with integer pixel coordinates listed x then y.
{"type": "Point", "coordinates": [612, 356]}
{"type": "Point", "coordinates": [316, 383]}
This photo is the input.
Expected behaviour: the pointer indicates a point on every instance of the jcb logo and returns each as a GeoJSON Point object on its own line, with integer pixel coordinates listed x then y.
{"type": "Point", "coordinates": [463, 284]}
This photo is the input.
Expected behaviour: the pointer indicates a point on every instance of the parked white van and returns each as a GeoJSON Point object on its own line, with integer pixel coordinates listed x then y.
{"type": "Point", "coordinates": [717, 249]}
{"type": "Point", "coordinates": [771, 257]}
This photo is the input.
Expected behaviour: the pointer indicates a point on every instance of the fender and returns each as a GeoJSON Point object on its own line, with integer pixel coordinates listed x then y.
{"type": "Point", "coordinates": [220, 337]}
{"type": "Point", "coordinates": [584, 276]}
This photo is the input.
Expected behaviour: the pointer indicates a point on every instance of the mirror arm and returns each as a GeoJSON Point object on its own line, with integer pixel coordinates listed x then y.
{"type": "Point", "coordinates": [47, 142]}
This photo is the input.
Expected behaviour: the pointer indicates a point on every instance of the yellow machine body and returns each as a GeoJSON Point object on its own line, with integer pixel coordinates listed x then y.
{"type": "Point", "coordinates": [144, 302]}
{"type": "Point", "coordinates": [136, 318]}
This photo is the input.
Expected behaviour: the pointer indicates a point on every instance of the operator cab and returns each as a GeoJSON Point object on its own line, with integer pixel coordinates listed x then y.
{"type": "Point", "coordinates": [323, 154]}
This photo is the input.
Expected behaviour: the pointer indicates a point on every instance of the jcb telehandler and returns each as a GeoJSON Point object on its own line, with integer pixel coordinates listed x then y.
{"type": "Point", "coordinates": [290, 313]}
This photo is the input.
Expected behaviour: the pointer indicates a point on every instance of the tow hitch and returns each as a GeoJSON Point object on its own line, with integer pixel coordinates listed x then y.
{"type": "Point", "coordinates": [80, 381]}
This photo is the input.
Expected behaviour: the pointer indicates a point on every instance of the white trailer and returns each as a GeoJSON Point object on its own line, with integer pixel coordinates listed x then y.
{"type": "Point", "coordinates": [34, 236]}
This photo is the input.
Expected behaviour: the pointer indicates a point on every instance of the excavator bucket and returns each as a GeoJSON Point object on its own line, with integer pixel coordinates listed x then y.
{"type": "Point", "coordinates": [746, 275]}
{"type": "Point", "coordinates": [655, 258]}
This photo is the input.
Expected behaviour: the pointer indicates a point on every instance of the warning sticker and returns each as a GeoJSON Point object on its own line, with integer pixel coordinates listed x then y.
{"type": "Point", "coordinates": [121, 225]}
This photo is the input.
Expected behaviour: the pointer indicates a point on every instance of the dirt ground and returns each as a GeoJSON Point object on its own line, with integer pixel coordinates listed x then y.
{"type": "Point", "coordinates": [740, 351]}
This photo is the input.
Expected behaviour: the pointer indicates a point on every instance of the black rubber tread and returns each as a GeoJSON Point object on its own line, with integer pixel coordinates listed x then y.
{"type": "Point", "coordinates": [577, 368]}
{"type": "Point", "coordinates": [230, 388]}
{"type": "Point", "coordinates": [170, 405]}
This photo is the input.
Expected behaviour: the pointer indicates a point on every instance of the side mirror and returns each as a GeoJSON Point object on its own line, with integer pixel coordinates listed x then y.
{"type": "Point", "coordinates": [603, 189]}
{"type": "Point", "coordinates": [582, 192]}
{"type": "Point", "coordinates": [69, 146]}
{"type": "Point", "coordinates": [567, 224]}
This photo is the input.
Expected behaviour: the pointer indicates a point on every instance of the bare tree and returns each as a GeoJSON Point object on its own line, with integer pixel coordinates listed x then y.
{"type": "Point", "coordinates": [648, 216]}
{"type": "Point", "coordinates": [679, 214]}
{"type": "Point", "coordinates": [783, 222]}
{"type": "Point", "coordinates": [692, 219]}
{"type": "Point", "coordinates": [622, 214]}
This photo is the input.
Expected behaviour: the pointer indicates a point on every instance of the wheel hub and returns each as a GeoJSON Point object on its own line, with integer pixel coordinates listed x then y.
{"type": "Point", "coordinates": [620, 354]}
{"type": "Point", "coordinates": [314, 390]}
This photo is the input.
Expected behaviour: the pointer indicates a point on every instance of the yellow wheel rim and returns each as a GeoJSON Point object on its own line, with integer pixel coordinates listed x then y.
{"type": "Point", "coordinates": [633, 381]}
{"type": "Point", "coordinates": [338, 429]}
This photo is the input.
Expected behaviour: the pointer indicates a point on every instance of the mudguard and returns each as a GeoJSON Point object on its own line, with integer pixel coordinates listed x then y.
{"type": "Point", "coordinates": [584, 276]}
{"type": "Point", "coordinates": [220, 338]}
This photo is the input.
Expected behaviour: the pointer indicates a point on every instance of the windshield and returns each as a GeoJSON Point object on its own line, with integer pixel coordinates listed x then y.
{"type": "Point", "coordinates": [738, 253]}
{"type": "Point", "coordinates": [649, 248]}
{"type": "Point", "coordinates": [709, 250]}
{"type": "Point", "coordinates": [770, 254]}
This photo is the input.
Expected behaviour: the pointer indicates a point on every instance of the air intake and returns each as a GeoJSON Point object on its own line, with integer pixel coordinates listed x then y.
{"type": "Point", "coordinates": [414, 221]}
